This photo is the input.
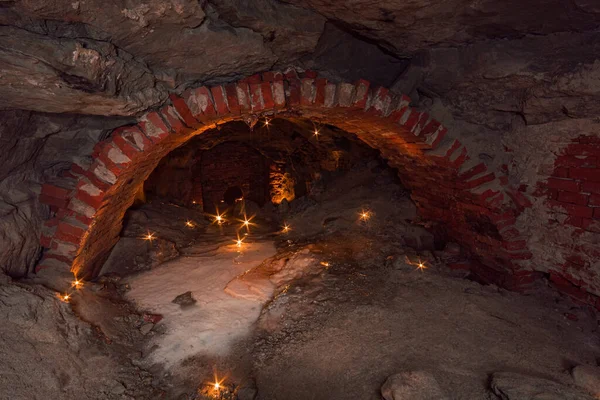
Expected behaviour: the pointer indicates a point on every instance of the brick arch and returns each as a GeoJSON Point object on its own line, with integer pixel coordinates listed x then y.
{"type": "Point", "coordinates": [477, 206]}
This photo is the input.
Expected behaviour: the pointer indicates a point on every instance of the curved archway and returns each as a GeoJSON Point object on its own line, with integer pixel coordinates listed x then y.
{"type": "Point", "coordinates": [477, 207]}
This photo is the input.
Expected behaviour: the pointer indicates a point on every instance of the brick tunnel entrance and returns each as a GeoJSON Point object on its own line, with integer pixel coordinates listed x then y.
{"type": "Point", "coordinates": [472, 205]}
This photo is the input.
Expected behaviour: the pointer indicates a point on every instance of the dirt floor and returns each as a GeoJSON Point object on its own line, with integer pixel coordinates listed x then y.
{"type": "Point", "coordinates": [355, 291]}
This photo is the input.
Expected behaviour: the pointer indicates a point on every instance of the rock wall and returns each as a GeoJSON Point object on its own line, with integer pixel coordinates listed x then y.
{"type": "Point", "coordinates": [36, 149]}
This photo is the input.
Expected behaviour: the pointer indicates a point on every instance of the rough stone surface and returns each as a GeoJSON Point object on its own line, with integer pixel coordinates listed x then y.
{"type": "Point", "coordinates": [515, 386]}
{"type": "Point", "coordinates": [588, 378]}
{"type": "Point", "coordinates": [49, 353]}
{"type": "Point", "coordinates": [35, 147]}
{"type": "Point", "coordinates": [415, 385]}
{"type": "Point", "coordinates": [184, 299]}
{"type": "Point", "coordinates": [72, 75]}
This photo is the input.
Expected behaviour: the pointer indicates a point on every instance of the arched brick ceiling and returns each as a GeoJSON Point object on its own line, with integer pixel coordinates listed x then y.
{"type": "Point", "coordinates": [477, 207]}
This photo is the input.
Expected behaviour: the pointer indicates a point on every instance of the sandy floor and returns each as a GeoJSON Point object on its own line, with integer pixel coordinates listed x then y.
{"type": "Point", "coordinates": [216, 320]}
{"type": "Point", "coordinates": [341, 336]}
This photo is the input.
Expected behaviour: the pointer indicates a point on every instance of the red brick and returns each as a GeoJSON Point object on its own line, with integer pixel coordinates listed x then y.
{"type": "Point", "coordinates": [55, 191]}
{"type": "Point", "coordinates": [460, 160]}
{"type": "Point", "coordinates": [519, 255]}
{"type": "Point", "coordinates": [154, 127]}
{"type": "Point", "coordinates": [256, 97]}
{"type": "Point", "coordinates": [253, 79]}
{"type": "Point", "coordinates": [477, 181]}
{"type": "Point", "coordinates": [515, 245]}
{"type": "Point", "coordinates": [294, 94]}
{"type": "Point", "coordinates": [92, 199]}
{"type": "Point", "coordinates": [434, 141]}
{"type": "Point", "coordinates": [519, 198]}
{"type": "Point", "coordinates": [320, 95]}
{"type": "Point", "coordinates": [588, 174]}
{"type": "Point", "coordinates": [571, 209]}
{"type": "Point", "coordinates": [200, 103]}
{"type": "Point", "coordinates": [561, 172]}
{"type": "Point", "coordinates": [563, 184]}
{"type": "Point", "coordinates": [307, 91]}
{"type": "Point", "coordinates": [51, 223]}
{"type": "Point", "coordinates": [590, 187]}
{"type": "Point", "coordinates": [583, 150]}
{"type": "Point", "coordinates": [53, 201]}
{"type": "Point", "coordinates": [574, 198]}
{"type": "Point", "coordinates": [267, 95]}
{"type": "Point", "coordinates": [278, 94]}
{"type": "Point", "coordinates": [46, 241]}
{"type": "Point", "coordinates": [476, 170]}
{"type": "Point", "coordinates": [413, 117]}
{"type": "Point", "coordinates": [510, 233]}
{"type": "Point", "coordinates": [69, 229]}
{"type": "Point", "coordinates": [183, 110]}
{"type": "Point", "coordinates": [362, 93]}
{"type": "Point", "coordinates": [573, 161]}
{"type": "Point", "coordinates": [589, 139]}
{"type": "Point", "coordinates": [595, 200]}
{"type": "Point", "coordinates": [64, 237]}
{"type": "Point", "coordinates": [232, 99]}
{"type": "Point", "coordinates": [243, 95]}
{"type": "Point", "coordinates": [310, 74]}
{"type": "Point", "coordinates": [124, 139]}
{"type": "Point", "coordinates": [218, 93]}
{"type": "Point", "coordinates": [576, 221]}
{"type": "Point", "coordinates": [272, 76]}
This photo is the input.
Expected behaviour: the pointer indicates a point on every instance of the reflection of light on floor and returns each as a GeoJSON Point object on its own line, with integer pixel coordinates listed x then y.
{"type": "Point", "coordinates": [217, 320]}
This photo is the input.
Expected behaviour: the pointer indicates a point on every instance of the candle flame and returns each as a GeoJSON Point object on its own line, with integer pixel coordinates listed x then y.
{"type": "Point", "coordinates": [238, 241]}
{"type": "Point", "coordinates": [365, 215]}
{"type": "Point", "coordinates": [219, 218]}
{"type": "Point", "coordinates": [77, 284]}
{"type": "Point", "coordinates": [286, 228]}
{"type": "Point", "coordinates": [246, 222]}
{"type": "Point", "coordinates": [420, 264]}
{"type": "Point", "coordinates": [189, 223]}
{"type": "Point", "coordinates": [149, 236]}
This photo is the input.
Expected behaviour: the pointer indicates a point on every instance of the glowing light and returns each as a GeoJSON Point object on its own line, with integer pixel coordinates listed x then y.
{"type": "Point", "coordinates": [194, 202]}
{"type": "Point", "coordinates": [219, 218]}
{"type": "Point", "coordinates": [189, 224]}
{"type": "Point", "coordinates": [325, 264]}
{"type": "Point", "coordinates": [316, 132]}
{"type": "Point", "coordinates": [65, 297]}
{"type": "Point", "coordinates": [286, 228]}
{"type": "Point", "coordinates": [239, 242]}
{"type": "Point", "coordinates": [420, 264]}
{"type": "Point", "coordinates": [267, 122]}
{"type": "Point", "coordinates": [77, 284]}
{"type": "Point", "coordinates": [365, 215]}
{"type": "Point", "coordinates": [149, 236]}
{"type": "Point", "coordinates": [246, 222]}
{"type": "Point", "coordinates": [217, 385]}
